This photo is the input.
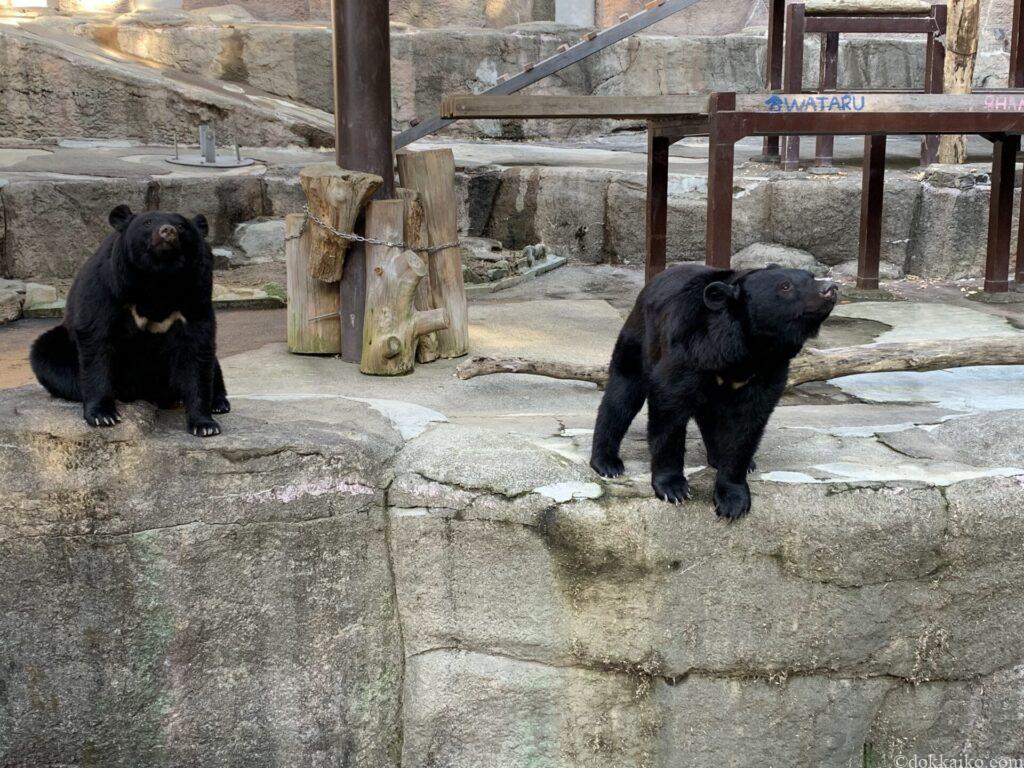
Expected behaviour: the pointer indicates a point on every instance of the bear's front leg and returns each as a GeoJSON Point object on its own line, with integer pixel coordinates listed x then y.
{"type": "Point", "coordinates": [739, 429]}
{"type": "Point", "coordinates": [666, 436]}
{"type": "Point", "coordinates": [95, 365]}
{"type": "Point", "coordinates": [193, 376]}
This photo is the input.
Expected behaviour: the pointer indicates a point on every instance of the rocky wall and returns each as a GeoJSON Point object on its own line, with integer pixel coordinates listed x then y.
{"type": "Point", "coordinates": [307, 590]}
{"type": "Point", "coordinates": [933, 227]}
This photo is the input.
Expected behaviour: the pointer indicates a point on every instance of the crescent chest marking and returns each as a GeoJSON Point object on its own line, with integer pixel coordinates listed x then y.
{"type": "Point", "coordinates": [153, 326]}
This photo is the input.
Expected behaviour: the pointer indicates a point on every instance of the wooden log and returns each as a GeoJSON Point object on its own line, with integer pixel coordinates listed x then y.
{"type": "Point", "coordinates": [868, 7]}
{"type": "Point", "coordinates": [314, 327]}
{"type": "Point", "coordinates": [432, 174]}
{"type": "Point", "coordinates": [809, 365]}
{"type": "Point", "coordinates": [336, 196]}
{"type": "Point", "coordinates": [961, 55]}
{"type": "Point", "coordinates": [393, 324]}
{"type": "Point", "coordinates": [428, 348]}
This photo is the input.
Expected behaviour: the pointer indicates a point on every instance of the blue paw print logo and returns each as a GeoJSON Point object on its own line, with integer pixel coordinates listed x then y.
{"type": "Point", "coordinates": [775, 104]}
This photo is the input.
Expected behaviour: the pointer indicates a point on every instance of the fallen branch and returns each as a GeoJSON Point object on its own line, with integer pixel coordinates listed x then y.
{"type": "Point", "coordinates": [810, 365]}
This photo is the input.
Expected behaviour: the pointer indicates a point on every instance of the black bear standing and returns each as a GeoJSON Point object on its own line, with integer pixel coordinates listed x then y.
{"type": "Point", "coordinates": [139, 325]}
{"type": "Point", "coordinates": [713, 345]}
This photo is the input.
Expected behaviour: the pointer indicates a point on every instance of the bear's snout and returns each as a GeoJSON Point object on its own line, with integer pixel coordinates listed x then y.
{"type": "Point", "coordinates": [830, 291]}
{"type": "Point", "coordinates": [167, 234]}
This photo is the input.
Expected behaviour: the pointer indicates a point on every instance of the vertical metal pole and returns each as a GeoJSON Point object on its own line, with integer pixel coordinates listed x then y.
{"type": "Point", "coordinates": [828, 81]}
{"type": "Point", "coordinates": [721, 174]}
{"type": "Point", "coordinates": [871, 204]}
{"type": "Point", "coordinates": [1000, 219]}
{"type": "Point", "coordinates": [793, 77]}
{"type": "Point", "coordinates": [362, 109]}
{"type": "Point", "coordinates": [776, 30]}
{"type": "Point", "coordinates": [657, 202]}
{"type": "Point", "coordinates": [1017, 46]}
{"type": "Point", "coordinates": [934, 78]}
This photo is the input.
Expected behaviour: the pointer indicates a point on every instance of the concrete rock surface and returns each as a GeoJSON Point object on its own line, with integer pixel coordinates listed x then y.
{"type": "Point", "coordinates": [471, 595]}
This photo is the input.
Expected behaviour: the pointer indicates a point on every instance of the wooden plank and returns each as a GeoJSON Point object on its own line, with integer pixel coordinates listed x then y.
{"type": "Point", "coordinates": [858, 103]}
{"type": "Point", "coordinates": [521, 107]}
{"type": "Point", "coordinates": [558, 62]}
{"type": "Point", "coordinates": [858, 7]}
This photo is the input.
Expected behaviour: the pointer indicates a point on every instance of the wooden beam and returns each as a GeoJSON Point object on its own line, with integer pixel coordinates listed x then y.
{"type": "Point", "coordinates": [553, 107]}
{"type": "Point", "coordinates": [558, 62]}
{"type": "Point", "coordinates": [663, 109]}
{"type": "Point", "coordinates": [856, 7]}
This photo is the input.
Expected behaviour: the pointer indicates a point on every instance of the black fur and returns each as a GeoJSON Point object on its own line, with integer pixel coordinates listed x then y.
{"type": "Point", "coordinates": [715, 346]}
{"type": "Point", "coordinates": [156, 268]}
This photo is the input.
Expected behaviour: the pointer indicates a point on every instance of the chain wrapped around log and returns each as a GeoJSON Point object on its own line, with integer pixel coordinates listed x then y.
{"type": "Point", "coordinates": [810, 365]}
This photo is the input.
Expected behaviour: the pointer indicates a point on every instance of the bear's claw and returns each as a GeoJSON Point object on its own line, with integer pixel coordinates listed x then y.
{"type": "Point", "coordinates": [204, 427]}
{"type": "Point", "coordinates": [102, 417]}
{"type": "Point", "coordinates": [608, 466]}
{"type": "Point", "coordinates": [732, 500]}
{"type": "Point", "coordinates": [673, 489]}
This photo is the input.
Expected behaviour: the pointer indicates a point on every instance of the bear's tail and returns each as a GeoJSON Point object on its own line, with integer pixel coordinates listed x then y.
{"type": "Point", "coordinates": [55, 363]}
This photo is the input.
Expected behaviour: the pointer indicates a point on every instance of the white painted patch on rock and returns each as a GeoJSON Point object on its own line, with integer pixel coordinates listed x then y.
{"type": "Point", "coordinates": [993, 388]}
{"type": "Point", "coordinates": [563, 492]}
{"type": "Point", "coordinates": [411, 420]}
{"type": "Point", "coordinates": [936, 475]}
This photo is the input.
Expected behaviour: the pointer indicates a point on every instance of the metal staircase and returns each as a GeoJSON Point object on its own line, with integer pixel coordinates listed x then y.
{"type": "Point", "coordinates": [591, 43]}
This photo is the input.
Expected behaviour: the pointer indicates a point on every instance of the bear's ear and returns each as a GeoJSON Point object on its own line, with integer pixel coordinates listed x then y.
{"type": "Point", "coordinates": [773, 266]}
{"type": "Point", "coordinates": [202, 225]}
{"type": "Point", "coordinates": [121, 217]}
{"type": "Point", "coordinates": [718, 295]}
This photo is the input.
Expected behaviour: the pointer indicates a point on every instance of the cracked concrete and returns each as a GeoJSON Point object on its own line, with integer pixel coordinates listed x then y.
{"type": "Point", "coordinates": [423, 571]}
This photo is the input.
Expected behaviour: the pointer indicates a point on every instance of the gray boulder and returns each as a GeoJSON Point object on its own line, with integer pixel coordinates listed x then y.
{"type": "Point", "coordinates": [260, 241]}
{"type": "Point", "coordinates": [760, 255]}
{"type": "Point", "coordinates": [11, 304]}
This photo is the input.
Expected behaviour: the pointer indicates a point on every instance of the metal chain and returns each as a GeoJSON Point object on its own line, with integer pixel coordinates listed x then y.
{"type": "Point", "coordinates": [354, 238]}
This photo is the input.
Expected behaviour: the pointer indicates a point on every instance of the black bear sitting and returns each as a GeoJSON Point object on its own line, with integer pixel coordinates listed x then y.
{"type": "Point", "coordinates": [139, 325]}
{"type": "Point", "coordinates": [714, 345]}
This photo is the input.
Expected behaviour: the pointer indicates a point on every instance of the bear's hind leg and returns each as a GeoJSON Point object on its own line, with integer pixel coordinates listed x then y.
{"type": "Point", "coordinates": [708, 423]}
{"type": "Point", "coordinates": [220, 403]}
{"type": "Point", "coordinates": [54, 361]}
{"type": "Point", "coordinates": [622, 401]}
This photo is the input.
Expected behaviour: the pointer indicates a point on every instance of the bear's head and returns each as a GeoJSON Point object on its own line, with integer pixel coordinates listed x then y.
{"type": "Point", "coordinates": [780, 307]}
{"type": "Point", "coordinates": [160, 242]}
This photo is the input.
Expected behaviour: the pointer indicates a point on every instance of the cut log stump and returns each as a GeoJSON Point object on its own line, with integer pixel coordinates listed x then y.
{"type": "Point", "coordinates": [962, 29]}
{"type": "Point", "coordinates": [428, 349]}
{"type": "Point", "coordinates": [432, 174]}
{"type": "Point", "coordinates": [314, 327]}
{"type": "Point", "coordinates": [393, 325]}
{"type": "Point", "coordinates": [337, 197]}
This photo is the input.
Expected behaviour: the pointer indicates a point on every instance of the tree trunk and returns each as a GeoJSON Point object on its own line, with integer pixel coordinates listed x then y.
{"type": "Point", "coordinates": [809, 365]}
{"type": "Point", "coordinates": [961, 56]}
{"type": "Point", "coordinates": [337, 197]}
{"type": "Point", "coordinates": [392, 324]}
{"type": "Point", "coordinates": [432, 174]}
{"type": "Point", "coordinates": [428, 349]}
{"type": "Point", "coordinates": [314, 327]}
